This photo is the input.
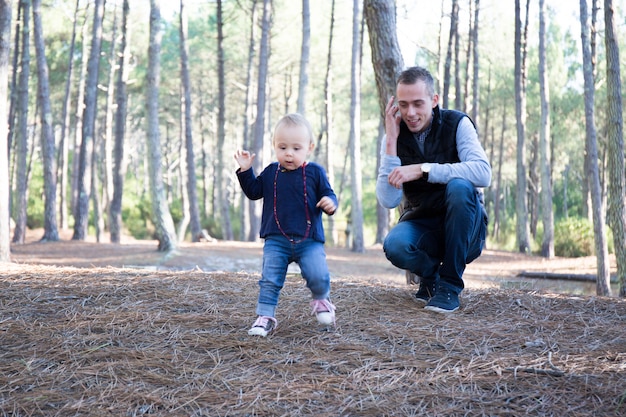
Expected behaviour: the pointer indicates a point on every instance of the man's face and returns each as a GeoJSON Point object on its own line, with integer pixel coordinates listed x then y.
{"type": "Point", "coordinates": [416, 105]}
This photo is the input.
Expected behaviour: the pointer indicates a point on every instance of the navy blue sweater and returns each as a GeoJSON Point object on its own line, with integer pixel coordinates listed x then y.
{"type": "Point", "coordinates": [289, 199]}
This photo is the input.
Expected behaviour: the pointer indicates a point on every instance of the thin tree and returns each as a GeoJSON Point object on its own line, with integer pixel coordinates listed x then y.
{"type": "Point", "coordinates": [109, 115]}
{"type": "Point", "coordinates": [468, 59]}
{"type": "Point", "coordinates": [248, 116]}
{"type": "Point", "coordinates": [615, 131]}
{"type": "Point", "coordinates": [51, 233]}
{"type": "Point", "coordinates": [5, 47]}
{"type": "Point", "coordinates": [13, 88]}
{"type": "Point", "coordinates": [328, 119]}
{"type": "Point", "coordinates": [259, 123]}
{"type": "Point", "coordinates": [387, 61]}
{"type": "Point", "coordinates": [89, 126]}
{"type": "Point", "coordinates": [21, 152]}
{"type": "Point", "coordinates": [304, 57]}
{"type": "Point", "coordinates": [593, 170]}
{"type": "Point", "coordinates": [448, 63]}
{"type": "Point", "coordinates": [161, 216]}
{"type": "Point", "coordinates": [119, 167]}
{"type": "Point", "coordinates": [224, 200]}
{"type": "Point", "coordinates": [476, 62]}
{"type": "Point", "coordinates": [356, 210]}
{"type": "Point", "coordinates": [547, 245]}
{"type": "Point", "coordinates": [458, 96]}
{"type": "Point", "coordinates": [63, 155]}
{"type": "Point", "coordinates": [194, 212]}
{"type": "Point", "coordinates": [522, 228]}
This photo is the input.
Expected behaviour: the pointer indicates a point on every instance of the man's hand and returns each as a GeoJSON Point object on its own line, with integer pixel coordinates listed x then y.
{"type": "Point", "coordinates": [244, 159]}
{"type": "Point", "coordinates": [403, 174]}
{"type": "Point", "coordinates": [392, 126]}
{"type": "Point", "coordinates": [327, 204]}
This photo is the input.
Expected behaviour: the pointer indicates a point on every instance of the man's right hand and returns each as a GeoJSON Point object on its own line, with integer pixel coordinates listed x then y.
{"type": "Point", "coordinates": [392, 126]}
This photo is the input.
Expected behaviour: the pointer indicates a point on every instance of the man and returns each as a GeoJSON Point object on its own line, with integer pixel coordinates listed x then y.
{"type": "Point", "coordinates": [433, 162]}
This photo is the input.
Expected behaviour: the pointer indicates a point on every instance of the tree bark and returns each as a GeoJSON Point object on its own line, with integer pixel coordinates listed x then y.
{"type": "Point", "coordinates": [247, 117]}
{"type": "Point", "coordinates": [593, 172]}
{"type": "Point", "coordinates": [547, 244]}
{"type": "Point", "coordinates": [617, 188]}
{"type": "Point", "coordinates": [107, 149]}
{"type": "Point", "coordinates": [475, 82]}
{"type": "Point", "coordinates": [194, 212]}
{"type": "Point", "coordinates": [387, 62]}
{"type": "Point", "coordinates": [165, 230]}
{"type": "Point", "coordinates": [356, 212]}
{"type": "Point", "coordinates": [51, 234]}
{"type": "Point", "coordinates": [328, 119]}
{"type": "Point", "coordinates": [14, 66]}
{"type": "Point", "coordinates": [5, 47]}
{"type": "Point", "coordinates": [304, 57]}
{"type": "Point", "coordinates": [259, 123]}
{"type": "Point", "coordinates": [448, 63]}
{"type": "Point", "coordinates": [21, 153]}
{"type": "Point", "coordinates": [89, 125]}
{"type": "Point", "coordinates": [119, 166]}
{"type": "Point", "coordinates": [468, 60]}
{"type": "Point", "coordinates": [522, 229]}
{"type": "Point", "coordinates": [63, 156]}
{"type": "Point", "coordinates": [224, 200]}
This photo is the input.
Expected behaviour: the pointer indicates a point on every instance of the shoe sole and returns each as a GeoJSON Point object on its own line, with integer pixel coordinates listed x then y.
{"type": "Point", "coordinates": [421, 301]}
{"type": "Point", "coordinates": [440, 310]}
{"type": "Point", "coordinates": [325, 318]}
{"type": "Point", "coordinates": [258, 331]}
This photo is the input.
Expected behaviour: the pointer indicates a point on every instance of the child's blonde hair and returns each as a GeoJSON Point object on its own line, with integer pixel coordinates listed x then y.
{"type": "Point", "coordinates": [294, 119]}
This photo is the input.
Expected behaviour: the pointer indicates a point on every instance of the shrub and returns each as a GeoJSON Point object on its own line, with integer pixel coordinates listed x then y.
{"type": "Point", "coordinates": [573, 237]}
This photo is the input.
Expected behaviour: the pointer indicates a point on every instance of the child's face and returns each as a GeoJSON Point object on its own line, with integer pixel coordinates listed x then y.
{"type": "Point", "coordinates": [292, 145]}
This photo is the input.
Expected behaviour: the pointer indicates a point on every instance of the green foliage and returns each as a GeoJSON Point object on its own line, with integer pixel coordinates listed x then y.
{"type": "Point", "coordinates": [36, 200]}
{"type": "Point", "coordinates": [573, 237]}
{"type": "Point", "coordinates": [136, 216]}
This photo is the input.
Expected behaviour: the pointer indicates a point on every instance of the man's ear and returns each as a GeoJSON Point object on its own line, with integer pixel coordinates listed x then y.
{"type": "Point", "coordinates": [435, 100]}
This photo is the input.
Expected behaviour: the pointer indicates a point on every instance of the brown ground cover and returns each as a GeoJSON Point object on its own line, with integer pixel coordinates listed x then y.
{"type": "Point", "coordinates": [91, 329]}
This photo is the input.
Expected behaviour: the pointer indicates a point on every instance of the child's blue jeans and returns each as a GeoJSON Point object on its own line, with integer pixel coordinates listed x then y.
{"type": "Point", "coordinates": [278, 253]}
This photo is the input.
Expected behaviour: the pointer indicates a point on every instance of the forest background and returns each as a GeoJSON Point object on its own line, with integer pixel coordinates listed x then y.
{"type": "Point", "coordinates": [248, 65]}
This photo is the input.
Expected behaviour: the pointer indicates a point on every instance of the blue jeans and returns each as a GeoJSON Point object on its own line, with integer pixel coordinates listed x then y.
{"type": "Point", "coordinates": [278, 253]}
{"type": "Point", "coordinates": [440, 247]}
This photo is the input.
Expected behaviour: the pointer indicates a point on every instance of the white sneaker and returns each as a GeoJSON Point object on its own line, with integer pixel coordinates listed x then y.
{"type": "Point", "coordinates": [324, 310]}
{"type": "Point", "coordinates": [263, 326]}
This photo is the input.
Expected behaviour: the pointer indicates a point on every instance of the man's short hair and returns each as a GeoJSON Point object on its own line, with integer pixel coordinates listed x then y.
{"type": "Point", "coordinates": [414, 74]}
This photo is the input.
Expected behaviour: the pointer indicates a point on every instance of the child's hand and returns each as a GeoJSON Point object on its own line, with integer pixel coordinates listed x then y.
{"type": "Point", "coordinates": [328, 205]}
{"type": "Point", "coordinates": [244, 159]}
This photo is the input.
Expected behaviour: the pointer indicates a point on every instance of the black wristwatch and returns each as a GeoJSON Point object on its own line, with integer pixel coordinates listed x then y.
{"type": "Point", "coordinates": [426, 170]}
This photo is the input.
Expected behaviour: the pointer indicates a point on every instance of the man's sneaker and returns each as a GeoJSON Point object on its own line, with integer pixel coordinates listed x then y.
{"type": "Point", "coordinates": [324, 310]}
{"type": "Point", "coordinates": [263, 326]}
{"type": "Point", "coordinates": [444, 301]}
{"type": "Point", "coordinates": [425, 292]}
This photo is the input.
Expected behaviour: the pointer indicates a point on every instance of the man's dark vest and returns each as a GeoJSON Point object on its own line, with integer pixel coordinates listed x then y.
{"type": "Point", "coordinates": [423, 198]}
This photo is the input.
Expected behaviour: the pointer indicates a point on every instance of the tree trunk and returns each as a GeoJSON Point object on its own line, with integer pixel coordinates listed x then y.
{"type": "Point", "coordinates": [617, 189]}
{"type": "Point", "coordinates": [475, 82]}
{"type": "Point", "coordinates": [182, 168]}
{"type": "Point", "coordinates": [328, 119]}
{"type": "Point", "coordinates": [247, 117]}
{"type": "Point", "coordinates": [224, 200]}
{"type": "Point", "coordinates": [259, 123]}
{"type": "Point", "coordinates": [468, 60]}
{"type": "Point", "coordinates": [194, 212]}
{"type": "Point", "coordinates": [5, 47]}
{"type": "Point", "coordinates": [356, 212]}
{"type": "Point", "coordinates": [63, 156]}
{"type": "Point", "coordinates": [108, 123]}
{"type": "Point", "coordinates": [21, 153]}
{"type": "Point", "coordinates": [547, 244]}
{"type": "Point", "coordinates": [386, 56]}
{"type": "Point", "coordinates": [446, 73]}
{"type": "Point", "coordinates": [14, 66]}
{"type": "Point", "coordinates": [593, 172]}
{"type": "Point", "coordinates": [89, 126]}
{"type": "Point", "coordinates": [522, 229]}
{"type": "Point", "coordinates": [458, 97]}
{"type": "Point", "coordinates": [533, 185]}
{"type": "Point", "coordinates": [51, 234]}
{"type": "Point", "coordinates": [440, 62]}
{"type": "Point", "coordinates": [304, 57]}
{"type": "Point", "coordinates": [387, 62]}
{"type": "Point", "coordinates": [80, 107]}
{"type": "Point", "coordinates": [165, 231]}
{"type": "Point", "coordinates": [119, 166]}
{"type": "Point", "coordinates": [497, 198]}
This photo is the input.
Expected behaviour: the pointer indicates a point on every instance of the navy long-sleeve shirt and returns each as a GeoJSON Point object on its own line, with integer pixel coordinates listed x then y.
{"type": "Point", "coordinates": [289, 203]}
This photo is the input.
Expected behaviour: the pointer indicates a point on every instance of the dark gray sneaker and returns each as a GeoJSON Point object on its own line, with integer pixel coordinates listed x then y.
{"type": "Point", "coordinates": [444, 301]}
{"type": "Point", "coordinates": [425, 292]}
